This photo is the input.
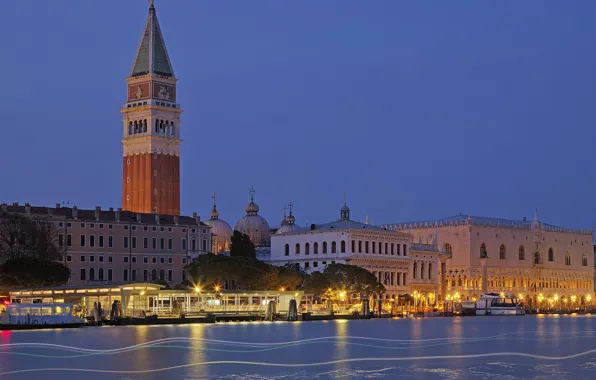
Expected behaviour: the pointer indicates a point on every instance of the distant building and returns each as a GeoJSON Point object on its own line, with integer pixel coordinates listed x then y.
{"type": "Point", "coordinates": [118, 247]}
{"type": "Point", "coordinates": [151, 129]}
{"type": "Point", "coordinates": [221, 232]}
{"type": "Point", "coordinates": [524, 257]}
{"type": "Point", "coordinates": [254, 225]}
{"type": "Point", "coordinates": [402, 266]}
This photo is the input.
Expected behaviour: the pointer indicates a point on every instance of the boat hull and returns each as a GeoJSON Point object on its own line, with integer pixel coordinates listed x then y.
{"type": "Point", "coordinates": [40, 327]}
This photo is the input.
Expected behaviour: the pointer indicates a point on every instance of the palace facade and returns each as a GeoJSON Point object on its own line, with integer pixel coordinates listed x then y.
{"type": "Point", "coordinates": [528, 258]}
{"type": "Point", "coordinates": [402, 266]}
{"type": "Point", "coordinates": [119, 247]}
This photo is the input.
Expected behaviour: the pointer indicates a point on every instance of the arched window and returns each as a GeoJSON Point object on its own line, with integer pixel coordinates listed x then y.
{"type": "Point", "coordinates": [430, 271]}
{"type": "Point", "coordinates": [315, 248]}
{"type": "Point", "coordinates": [567, 259]}
{"type": "Point", "coordinates": [100, 274]}
{"type": "Point", "coordinates": [145, 126]}
{"type": "Point", "coordinates": [307, 249]}
{"type": "Point", "coordinates": [172, 128]}
{"type": "Point", "coordinates": [333, 247]}
{"type": "Point", "coordinates": [522, 253]}
{"type": "Point", "coordinates": [343, 246]}
{"type": "Point", "coordinates": [448, 249]}
{"type": "Point", "coordinates": [483, 252]}
{"type": "Point", "coordinates": [297, 248]}
{"type": "Point", "coordinates": [130, 128]}
{"type": "Point", "coordinates": [154, 275]}
{"type": "Point", "coordinates": [91, 274]}
{"type": "Point", "coordinates": [422, 271]}
{"type": "Point", "coordinates": [324, 247]}
{"type": "Point", "coordinates": [287, 250]}
{"type": "Point", "coordinates": [156, 125]}
{"type": "Point", "coordinates": [161, 126]}
{"type": "Point", "coordinates": [502, 252]}
{"type": "Point", "coordinates": [459, 281]}
{"type": "Point", "coordinates": [162, 274]}
{"type": "Point", "coordinates": [584, 261]}
{"type": "Point", "coordinates": [415, 270]}
{"type": "Point", "coordinates": [551, 255]}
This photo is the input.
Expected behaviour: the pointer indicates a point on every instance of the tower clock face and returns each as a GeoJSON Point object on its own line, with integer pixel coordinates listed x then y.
{"type": "Point", "coordinates": [164, 91]}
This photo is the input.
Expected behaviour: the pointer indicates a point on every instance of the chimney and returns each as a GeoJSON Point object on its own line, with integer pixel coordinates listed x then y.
{"type": "Point", "coordinates": [196, 218]}
{"type": "Point", "coordinates": [27, 208]}
{"type": "Point", "coordinates": [118, 214]}
{"type": "Point", "coordinates": [97, 210]}
{"type": "Point", "coordinates": [176, 219]}
{"type": "Point", "coordinates": [111, 209]}
{"type": "Point", "coordinates": [138, 218]}
{"type": "Point", "coordinates": [156, 218]}
{"type": "Point", "coordinates": [4, 207]}
{"type": "Point", "coordinates": [57, 206]}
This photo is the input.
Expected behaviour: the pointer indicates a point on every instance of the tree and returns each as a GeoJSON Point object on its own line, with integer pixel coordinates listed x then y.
{"type": "Point", "coordinates": [21, 236]}
{"type": "Point", "coordinates": [317, 284]}
{"type": "Point", "coordinates": [241, 246]}
{"type": "Point", "coordinates": [33, 272]}
{"type": "Point", "coordinates": [353, 279]}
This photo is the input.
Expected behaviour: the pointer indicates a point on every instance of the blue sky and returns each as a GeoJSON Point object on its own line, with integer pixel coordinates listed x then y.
{"type": "Point", "coordinates": [416, 110]}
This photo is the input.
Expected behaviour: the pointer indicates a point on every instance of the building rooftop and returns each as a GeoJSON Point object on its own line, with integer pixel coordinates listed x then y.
{"type": "Point", "coordinates": [99, 215]}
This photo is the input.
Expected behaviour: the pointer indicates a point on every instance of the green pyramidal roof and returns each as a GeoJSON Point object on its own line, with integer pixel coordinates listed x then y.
{"type": "Point", "coordinates": [152, 55]}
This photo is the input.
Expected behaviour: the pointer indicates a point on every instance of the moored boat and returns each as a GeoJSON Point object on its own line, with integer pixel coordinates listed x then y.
{"type": "Point", "coordinates": [39, 316]}
{"type": "Point", "coordinates": [499, 304]}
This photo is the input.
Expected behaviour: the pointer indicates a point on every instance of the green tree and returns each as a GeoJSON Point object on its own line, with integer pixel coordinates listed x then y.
{"type": "Point", "coordinates": [353, 279]}
{"type": "Point", "coordinates": [30, 271]}
{"type": "Point", "coordinates": [22, 236]}
{"type": "Point", "coordinates": [241, 246]}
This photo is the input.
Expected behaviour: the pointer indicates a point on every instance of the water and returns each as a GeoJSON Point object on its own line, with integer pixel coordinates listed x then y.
{"type": "Point", "coordinates": [537, 347]}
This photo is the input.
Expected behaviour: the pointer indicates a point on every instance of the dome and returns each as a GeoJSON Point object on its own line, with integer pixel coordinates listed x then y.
{"type": "Point", "coordinates": [222, 231]}
{"type": "Point", "coordinates": [254, 225]}
{"type": "Point", "coordinates": [257, 228]}
{"type": "Point", "coordinates": [287, 228]}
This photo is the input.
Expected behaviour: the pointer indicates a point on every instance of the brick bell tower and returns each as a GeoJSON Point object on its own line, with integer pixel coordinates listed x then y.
{"type": "Point", "coordinates": [151, 138]}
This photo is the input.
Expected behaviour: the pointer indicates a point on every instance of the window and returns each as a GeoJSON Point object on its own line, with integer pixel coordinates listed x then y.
{"type": "Point", "coordinates": [306, 265]}
{"type": "Point", "coordinates": [100, 274]}
{"type": "Point", "coordinates": [315, 248]}
{"type": "Point", "coordinates": [125, 275]}
{"type": "Point", "coordinates": [125, 243]}
{"type": "Point", "coordinates": [430, 271]}
{"type": "Point", "coordinates": [68, 224]}
{"type": "Point", "coordinates": [133, 275]}
{"type": "Point", "coordinates": [134, 242]}
{"type": "Point", "coordinates": [82, 258]}
{"type": "Point", "coordinates": [405, 250]}
{"type": "Point", "coordinates": [170, 244]}
{"type": "Point", "coordinates": [145, 260]}
{"type": "Point", "coordinates": [126, 228]}
{"type": "Point", "coordinates": [162, 260]}
{"type": "Point", "coordinates": [584, 261]}
{"type": "Point", "coordinates": [333, 247]}
{"type": "Point", "coordinates": [101, 225]}
{"type": "Point", "coordinates": [91, 274]}
{"type": "Point", "coordinates": [153, 275]}
{"type": "Point", "coordinates": [91, 259]}
{"type": "Point", "coordinates": [204, 245]}
{"type": "Point", "coordinates": [162, 229]}
{"type": "Point", "coordinates": [109, 259]}
{"type": "Point", "coordinates": [69, 258]}
{"type": "Point", "coordinates": [365, 247]}
{"type": "Point", "coordinates": [374, 247]}
{"type": "Point", "coordinates": [61, 224]}
{"type": "Point", "coordinates": [170, 260]}
{"type": "Point", "coordinates": [60, 240]}
{"type": "Point", "coordinates": [92, 225]}
{"type": "Point", "coordinates": [184, 244]}
{"type": "Point", "coordinates": [324, 247]}
{"type": "Point", "coordinates": [109, 274]}
{"type": "Point", "coordinates": [522, 253]}
{"type": "Point", "coordinates": [184, 260]}
{"type": "Point", "coordinates": [343, 246]}
{"type": "Point", "coordinates": [297, 251]}
{"type": "Point", "coordinates": [82, 225]}
{"type": "Point", "coordinates": [82, 240]}
{"type": "Point", "coordinates": [100, 259]}
{"type": "Point", "coordinates": [398, 249]}
{"type": "Point", "coordinates": [154, 229]}
{"type": "Point", "coordinates": [154, 243]}
{"type": "Point", "coordinates": [567, 259]}
{"type": "Point", "coordinates": [359, 246]}
{"type": "Point", "coordinates": [162, 274]}
{"type": "Point", "coordinates": [101, 241]}
{"type": "Point", "coordinates": [483, 252]}
{"type": "Point", "coordinates": [83, 273]}
{"type": "Point", "coordinates": [422, 271]}
{"type": "Point", "coordinates": [162, 243]}
{"type": "Point", "coordinates": [502, 252]}
{"type": "Point", "coordinates": [194, 245]}
{"type": "Point", "coordinates": [448, 249]}
{"type": "Point", "coordinates": [169, 229]}
{"type": "Point", "coordinates": [353, 246]}
{"type": "Point", "coordinates": [134, 228]}
{"type": "Point", "coordinates": [125, 259]}
{"type": "Point", "coordinates": [154, 260]}
{"type": "Point", "coordinates": [145, 243]}
{"type": "Point", "coordinates": [110, 226]}
{"type": "Point", "coordinates": [307, 248]}
{"type": "Point", "coordinates": [415, 270]}
{"type": "Point", "coordinates": [287, 250]}
{"type": "Point", "coordinates": [134, 259]}
{"type": "Point", "coordinates": [551, 255]}
{"type": "Point", "coordinates": [145, 275]}
{"type": "Point", "coordinates": [170, 275]}
{"type": "Point", "coordinates": [69, 240]}
{"type": "Point", "coordinates": [380, 248]}
{"type": "Point", "coordinates": [315, 264]}
{"type": "Point", "coordinates": [110, 241]}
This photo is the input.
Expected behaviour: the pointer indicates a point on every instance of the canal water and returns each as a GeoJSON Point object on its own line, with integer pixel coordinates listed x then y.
{"type": "Point", "coordinates": [538, 347]}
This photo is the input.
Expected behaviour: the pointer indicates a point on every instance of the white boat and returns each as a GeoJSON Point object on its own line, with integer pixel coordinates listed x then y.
{"type": "Point", "coordinates": [19, 316]}
{"type": "Point", "coordinates": [495, 304]}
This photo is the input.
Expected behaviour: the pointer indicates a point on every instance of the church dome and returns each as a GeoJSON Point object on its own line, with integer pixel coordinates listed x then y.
{"type": "Point", "coordinates": [222, 231]}
{"type": "Point", "coordinates": [254, 225]}
{"type": "Point", "coordinates": [289, 222]}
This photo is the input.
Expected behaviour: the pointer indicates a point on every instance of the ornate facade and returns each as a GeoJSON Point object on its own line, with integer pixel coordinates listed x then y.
{"type": "Point", "coordinates": [151, 129]}
{"type": "Point", "coordinates": [528, 258]}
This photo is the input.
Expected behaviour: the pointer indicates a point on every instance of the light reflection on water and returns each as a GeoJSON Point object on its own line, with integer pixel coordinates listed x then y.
{"type": "Point", "coordinates": [304, 344]}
